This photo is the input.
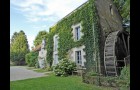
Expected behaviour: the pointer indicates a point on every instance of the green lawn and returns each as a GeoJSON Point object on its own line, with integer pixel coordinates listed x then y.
{"type": "Point", "coordinates": [54, 83]}
{"type": "Point", "coordinates": [37, 69]}
{"type": "Point", "coordinates": [40, 70]}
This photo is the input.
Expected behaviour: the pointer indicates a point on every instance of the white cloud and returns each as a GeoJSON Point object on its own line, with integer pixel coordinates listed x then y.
{"type": "Point", "coordinates": [41, 10]}
{"type": "Point", "coordinates": [49, 11]}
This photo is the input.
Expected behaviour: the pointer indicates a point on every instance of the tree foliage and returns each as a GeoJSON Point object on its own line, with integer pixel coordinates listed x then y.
{"type": "Point", "coordinates": [13, 37]}
{"type": "Point", "coordinates": [18, 48]}
{"type": "Point", "coordinates": [123, 7]}
{"type": "Point", "coordinates": [31, 58]}
{"type": "Point", "coordinates": [41, 35]}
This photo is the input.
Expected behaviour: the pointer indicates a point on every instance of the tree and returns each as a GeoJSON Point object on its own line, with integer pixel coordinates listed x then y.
{"type": "Point", "coordinates": [41, 35]}
{"type": "Point", "coordinates": [123, 7]}
{"type": "Point", "coordinates": [19, 48]}
{"type": "Point", "coordinates": [13, 37]}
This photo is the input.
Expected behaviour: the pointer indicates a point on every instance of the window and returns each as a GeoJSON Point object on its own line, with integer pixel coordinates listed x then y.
{"type": "Point", "coordinates": [56, 43]}
{"type": "Point", "coordinates": [78, 57]}
{"type": "Point", "coordinates": [55, 59]}
{"type": "Point", "coordinates": [77, 33]}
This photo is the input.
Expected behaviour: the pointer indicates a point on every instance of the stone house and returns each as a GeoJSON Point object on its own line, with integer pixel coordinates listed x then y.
{"type": "Point", "coordinates": [92, 36]}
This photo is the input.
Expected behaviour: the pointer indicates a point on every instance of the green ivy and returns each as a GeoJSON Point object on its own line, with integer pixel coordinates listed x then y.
{"type": "Point", "coordinates": [86, 15]}
{"type": "Point", "coordinates": [123, 7]}
{"type": "Point", "coordinates": [49, 47]}
{"type": "Point", "coordinates": [125, 76]}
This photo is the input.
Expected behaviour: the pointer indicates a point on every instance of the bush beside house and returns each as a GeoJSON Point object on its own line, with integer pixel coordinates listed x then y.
{"type": "Point", "coordinates": [31, 59]}
{"type": "Point", "coordinates": [64, 68]}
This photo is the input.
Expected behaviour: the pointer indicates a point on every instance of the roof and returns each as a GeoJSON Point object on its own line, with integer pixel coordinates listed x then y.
{"type": "Point", "coordinates": [37, 48]}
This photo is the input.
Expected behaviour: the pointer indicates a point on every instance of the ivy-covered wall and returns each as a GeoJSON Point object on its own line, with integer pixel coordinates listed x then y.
{"type": "Point", "coordinates": [83, 15]}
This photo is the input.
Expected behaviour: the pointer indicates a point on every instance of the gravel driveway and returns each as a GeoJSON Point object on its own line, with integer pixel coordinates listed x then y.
{"type": "Point", "coordinates": [21, 72]}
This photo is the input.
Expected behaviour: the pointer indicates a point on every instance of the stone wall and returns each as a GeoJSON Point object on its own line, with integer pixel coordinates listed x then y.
{"type": "Point", "coordinates": [109, 21]}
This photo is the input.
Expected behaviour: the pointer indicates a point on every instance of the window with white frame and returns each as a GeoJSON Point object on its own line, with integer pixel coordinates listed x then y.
{"type": "Point", "coordinates": [78, 58]}
{"type": "Point", "coordinates": [77, 31]}
{"type": "Point", "coordinates": [55, 59]}
{"type": "Point", "coordinates": [56, 43]}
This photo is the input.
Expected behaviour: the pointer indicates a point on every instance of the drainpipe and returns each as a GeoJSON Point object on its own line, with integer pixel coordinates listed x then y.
{"type": "Point", "coordinates": [94, 54]}
{"type": "Point", "coordinates": [97, 60]}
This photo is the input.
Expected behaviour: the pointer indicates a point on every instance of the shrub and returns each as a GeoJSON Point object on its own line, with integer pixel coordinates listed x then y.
{"type": "Point", "coordinates": [64, 67]}
{"type": "Point", "coordinates": [17, 58]}
{"type": "Point", "coordinates": [123, 81]}
{"type": "Point", "coordinates": [37, 64]}
{"type": "Point", "coordinates": [31, 59]}
{"type": "Point", "coordinates": [48, 68]}
{"type": "Point", "coordinates": [92, 73]}
{"type": "Point", "coordinates": [111, 80]}
{"type": "Point", "coordinates": [124, 78]}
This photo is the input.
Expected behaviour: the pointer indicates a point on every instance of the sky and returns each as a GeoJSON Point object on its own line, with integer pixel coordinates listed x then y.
{"type": "Point", "coordinates": [33, 16]}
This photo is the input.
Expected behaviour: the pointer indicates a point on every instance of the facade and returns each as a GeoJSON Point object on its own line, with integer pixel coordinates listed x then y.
{"type": "Point", "coordinates": [81, 35]}
{"type": "Point", "coordinates": [42, 55]}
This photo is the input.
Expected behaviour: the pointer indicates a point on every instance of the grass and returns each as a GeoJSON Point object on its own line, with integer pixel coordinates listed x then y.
{"type": "Point", "coordinates": [37, 69]}
{"type": "Point", "coordinates": [40, 70]}
{"type": "Point", "coordinates": [54, 83]}
{"type": "Point", "coordinates": [30, 68]}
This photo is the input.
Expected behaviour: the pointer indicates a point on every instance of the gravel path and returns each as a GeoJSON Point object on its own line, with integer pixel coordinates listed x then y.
{"type": "Point", "coordinates": [21, 72]}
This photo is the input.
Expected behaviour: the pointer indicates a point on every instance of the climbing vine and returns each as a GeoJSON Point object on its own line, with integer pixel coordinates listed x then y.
{"type": "Point", "coordinates": [49, 46]}
{"type": "Point", "coordinates": [87, 17]}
